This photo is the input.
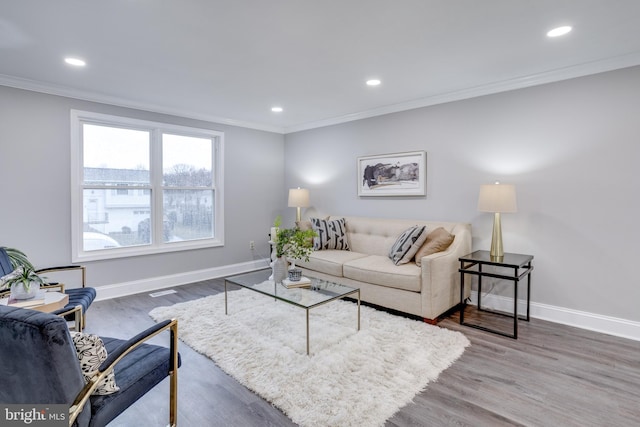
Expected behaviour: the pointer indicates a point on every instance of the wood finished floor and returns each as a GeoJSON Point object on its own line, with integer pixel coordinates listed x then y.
{"type": "Point", "coordinates": [553, 375]}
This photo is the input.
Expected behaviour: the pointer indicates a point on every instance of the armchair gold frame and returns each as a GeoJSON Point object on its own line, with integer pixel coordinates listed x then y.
{"type": "Point", "coordinates": [80, 317]}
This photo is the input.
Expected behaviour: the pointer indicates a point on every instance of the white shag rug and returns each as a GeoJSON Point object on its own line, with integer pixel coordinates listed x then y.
{"type": "Point", "coordinates": [350, 378]}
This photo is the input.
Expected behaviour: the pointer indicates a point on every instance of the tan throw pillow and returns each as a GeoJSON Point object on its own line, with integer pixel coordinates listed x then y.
{"type": "Point", "coordinates": [303, 225]}
{"type": "Point", "coordinates": [437, 241]}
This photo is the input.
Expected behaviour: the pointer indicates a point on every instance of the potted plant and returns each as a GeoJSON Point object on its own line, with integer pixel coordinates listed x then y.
{"type": "Point", "coordinates": [291, 243]}
{"type": "Point", "coordinates": [24, 283]}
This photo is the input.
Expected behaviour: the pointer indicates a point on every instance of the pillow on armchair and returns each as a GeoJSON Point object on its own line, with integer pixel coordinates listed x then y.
{"type": "Point", "coordinates": [91, 353]}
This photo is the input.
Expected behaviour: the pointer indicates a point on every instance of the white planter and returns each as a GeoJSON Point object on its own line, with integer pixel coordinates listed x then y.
{"type": "Point", "coordinates": [19, 291]}
{"type": "Point", "coordinates": [279, 269]}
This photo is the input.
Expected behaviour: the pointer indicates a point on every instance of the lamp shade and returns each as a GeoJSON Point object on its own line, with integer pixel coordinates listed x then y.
{"type": "Point", "coordinates": [497, 198]}
{"type": "Point", "coordinates": [298, 198]}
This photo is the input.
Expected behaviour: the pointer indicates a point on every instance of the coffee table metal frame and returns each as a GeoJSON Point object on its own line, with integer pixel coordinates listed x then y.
{"type": "Point", "coordinates": [321, 292]}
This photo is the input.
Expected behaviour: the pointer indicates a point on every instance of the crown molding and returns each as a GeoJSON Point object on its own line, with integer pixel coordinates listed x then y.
{"type": "Point", "coordinates": [551, 76]}
{"type": "Point", "coordinates": [560, 74]}
{"type": "Point", "coordinates": [68, 92]}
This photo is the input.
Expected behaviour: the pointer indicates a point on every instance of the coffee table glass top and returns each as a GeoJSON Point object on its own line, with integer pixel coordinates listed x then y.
{"type": "Point", "coordinates": [320, 291]}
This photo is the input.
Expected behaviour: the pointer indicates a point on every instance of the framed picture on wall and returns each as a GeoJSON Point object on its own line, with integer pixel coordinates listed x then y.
{"type": "Point", "coordinates": [398, 174]}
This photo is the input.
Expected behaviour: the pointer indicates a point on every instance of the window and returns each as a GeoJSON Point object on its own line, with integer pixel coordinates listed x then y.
{"type": "Point", "coordinates": [143, 187]}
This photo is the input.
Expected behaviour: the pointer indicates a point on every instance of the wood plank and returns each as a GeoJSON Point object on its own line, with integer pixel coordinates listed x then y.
{"type": "Point", "coordinates": [553, 375]}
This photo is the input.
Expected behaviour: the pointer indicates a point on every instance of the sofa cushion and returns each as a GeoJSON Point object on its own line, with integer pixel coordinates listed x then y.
{"type": "Point", "coordinates": [331, 234]}
{"type": "Point", "coordinates": [329, 261]}
{"type": "Point", "coordinates": [437, 241]}
{"type": "Point", "coordinates": [380, 270]}
{"type": "Point", "coordinates": [407, 244]}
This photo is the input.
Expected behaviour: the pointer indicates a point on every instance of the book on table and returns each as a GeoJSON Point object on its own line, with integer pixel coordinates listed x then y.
{"type": "Point", "coordinates": [304, 282]}
{"type": "Point", "coordinates": [25, 303]}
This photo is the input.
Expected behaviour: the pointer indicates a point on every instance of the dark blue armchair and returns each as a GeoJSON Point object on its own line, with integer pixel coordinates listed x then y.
{"type": "Point", "coordinates": [40, 366]}
{"type": "Point", "coordinates": [79, 298]}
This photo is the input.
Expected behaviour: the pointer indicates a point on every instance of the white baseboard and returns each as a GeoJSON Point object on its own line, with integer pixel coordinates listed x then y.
{"type": "Point", "coordinates": [566, 316]}
{"type": "Point", "coordinates": [155, 283]}
{"type": "Point", "coordinates": [580, 319]}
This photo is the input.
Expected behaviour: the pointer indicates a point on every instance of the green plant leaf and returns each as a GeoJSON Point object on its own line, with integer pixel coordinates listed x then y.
{"type": "Point", "coordinates": [18, 258]}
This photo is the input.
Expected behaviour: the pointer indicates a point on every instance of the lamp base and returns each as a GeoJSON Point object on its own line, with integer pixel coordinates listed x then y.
{"type": "Point", "coordinates": [497, 251]}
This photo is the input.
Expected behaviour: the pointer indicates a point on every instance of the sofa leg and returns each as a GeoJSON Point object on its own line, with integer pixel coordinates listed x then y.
{"type": "Point", "coordinates": [431, 321]}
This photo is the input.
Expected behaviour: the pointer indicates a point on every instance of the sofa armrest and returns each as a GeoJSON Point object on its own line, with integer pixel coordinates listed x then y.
{"type": "Point", "coordinates": [440, 277]}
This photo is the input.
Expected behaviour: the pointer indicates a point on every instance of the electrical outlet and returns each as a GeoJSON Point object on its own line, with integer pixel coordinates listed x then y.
{"type": "Point", "coordinates": [252, 245]}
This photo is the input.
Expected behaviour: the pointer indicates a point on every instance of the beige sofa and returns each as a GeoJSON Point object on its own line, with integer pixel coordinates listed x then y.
{"type": "Point", "coordinates": [427, 290]}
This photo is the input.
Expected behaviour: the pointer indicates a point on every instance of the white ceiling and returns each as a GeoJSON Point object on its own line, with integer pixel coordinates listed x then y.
{"type": "Point", "coordinates": [231, 61]}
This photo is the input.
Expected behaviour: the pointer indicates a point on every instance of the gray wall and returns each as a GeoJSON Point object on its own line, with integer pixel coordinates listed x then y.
{"type": "Point", "coordinates": [571, 148]}
{"type": "Point", "coordinates": [35, 177]}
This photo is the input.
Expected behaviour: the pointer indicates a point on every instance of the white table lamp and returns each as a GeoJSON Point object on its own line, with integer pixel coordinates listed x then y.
{"type": "Point", "coordinates": [497, 198]}
{"type": "Point", "coordinates": [298, 198]}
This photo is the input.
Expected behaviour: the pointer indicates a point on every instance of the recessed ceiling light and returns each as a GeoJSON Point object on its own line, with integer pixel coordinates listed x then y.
{"type": "Point", "coordinates": [276, 109]}
{"type": "Point", "coordinates": [560, 31]}
{"type": "Point", "coordinates": [373, 82]}
{"type": "Point", "coordinates": [77, 62]}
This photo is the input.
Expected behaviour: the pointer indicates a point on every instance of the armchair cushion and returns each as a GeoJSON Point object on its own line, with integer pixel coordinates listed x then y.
{"type": "Point", "coordinates": [5, 263]}
{"type": "Point", "coordinates": [78, 296]}
{"type": "Point", "coordinates": [137, 373]}
{"type": "Point", "coordinates": [91, 353]}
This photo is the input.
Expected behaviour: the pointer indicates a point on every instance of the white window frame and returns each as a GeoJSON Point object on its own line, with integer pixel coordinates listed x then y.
{"type": "Point", "coordinates": [156, 129]}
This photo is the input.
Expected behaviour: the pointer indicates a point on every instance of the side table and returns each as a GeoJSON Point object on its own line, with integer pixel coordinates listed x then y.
{"type": "Point", "coordinates": [44, 301]}
{"type": "Point", "coordinates": [47, 302]}
{"type": "Point", "coordinates": [518, 265]}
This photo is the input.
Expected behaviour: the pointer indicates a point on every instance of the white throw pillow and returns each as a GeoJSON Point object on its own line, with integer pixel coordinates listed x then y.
{"type": "Point", "coordinates": [91, 353]}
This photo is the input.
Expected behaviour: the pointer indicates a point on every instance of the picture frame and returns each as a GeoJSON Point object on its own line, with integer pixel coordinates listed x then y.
{"type": "Point", "coordinates": [396, 174]}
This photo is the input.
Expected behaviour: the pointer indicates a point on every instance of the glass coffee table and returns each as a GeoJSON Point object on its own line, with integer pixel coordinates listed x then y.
{"type": "Point", "coordinates": [319, 293]}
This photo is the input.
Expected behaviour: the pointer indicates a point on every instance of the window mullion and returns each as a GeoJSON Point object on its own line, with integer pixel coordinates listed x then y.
{"type": "Point", "coordinates": [156, 183]}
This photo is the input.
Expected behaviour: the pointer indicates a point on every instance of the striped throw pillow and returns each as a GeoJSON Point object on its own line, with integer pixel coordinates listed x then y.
{"type": "Point", "coordinates": [407, 244]}
{"type": "Point", "coordinates": [330, 234]}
